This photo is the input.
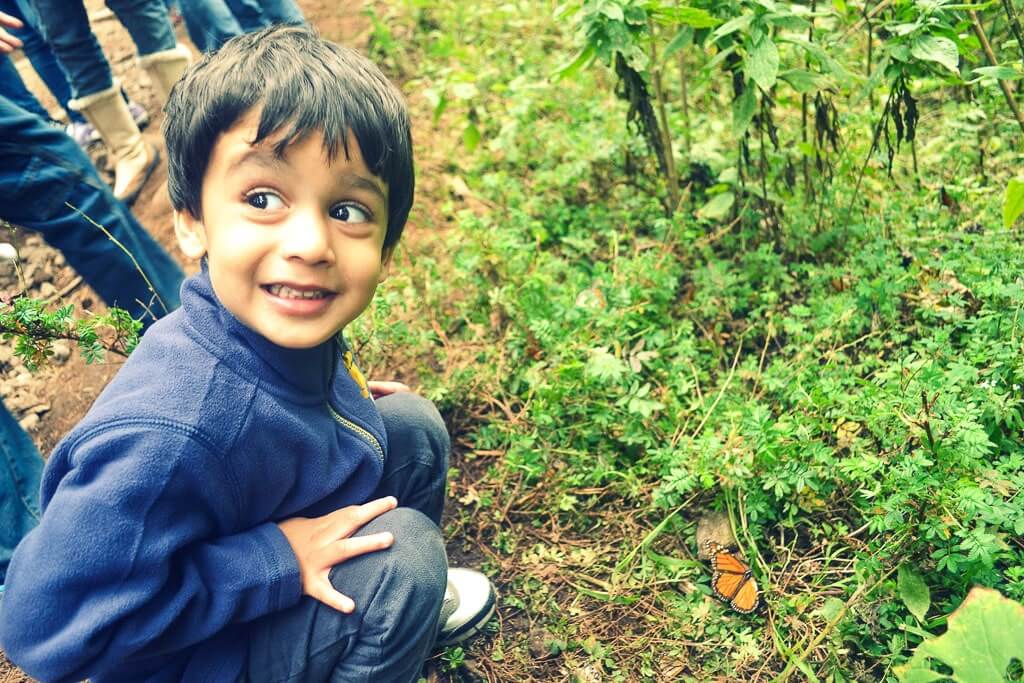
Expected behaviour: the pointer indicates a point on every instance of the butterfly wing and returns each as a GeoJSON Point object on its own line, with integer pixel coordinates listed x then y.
{"type": "Point", "coordinates": [726, 586]}
{"type": "Point", "coordinates": [746, 598]}
{"type": "Point", "coordinates": [732, 580]}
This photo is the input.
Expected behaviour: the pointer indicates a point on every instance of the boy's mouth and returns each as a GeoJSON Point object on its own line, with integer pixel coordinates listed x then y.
{"type": "Point", "coordinates": [286, 292]}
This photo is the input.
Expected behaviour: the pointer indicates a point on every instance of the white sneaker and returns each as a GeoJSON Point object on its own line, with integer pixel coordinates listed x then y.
{"type": "Point", "coordinates": [469, 602]}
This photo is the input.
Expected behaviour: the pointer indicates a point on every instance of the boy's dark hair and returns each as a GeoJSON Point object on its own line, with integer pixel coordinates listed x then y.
{"type": "Point", "coordinates": [303, 83]}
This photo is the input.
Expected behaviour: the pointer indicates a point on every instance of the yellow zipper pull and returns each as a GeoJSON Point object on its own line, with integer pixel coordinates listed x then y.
{"type": "Point", "coordinates": [357, 375]}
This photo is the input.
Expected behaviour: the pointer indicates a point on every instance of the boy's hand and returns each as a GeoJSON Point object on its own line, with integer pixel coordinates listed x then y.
{"type": "Point", "coordinates": [322, 542]}
{"type": "Point", "coordinates": [8, 43]}
{"type": "Point", "coordinates": [378, 389]}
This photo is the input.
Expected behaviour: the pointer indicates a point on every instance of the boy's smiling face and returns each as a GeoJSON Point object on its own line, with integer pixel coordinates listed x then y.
{"type": "Point", "coordinates": [294, 245]}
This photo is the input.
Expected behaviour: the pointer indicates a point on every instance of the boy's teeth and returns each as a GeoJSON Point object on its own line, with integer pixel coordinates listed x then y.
{"type": "Point", "coordinates": [289, 293]}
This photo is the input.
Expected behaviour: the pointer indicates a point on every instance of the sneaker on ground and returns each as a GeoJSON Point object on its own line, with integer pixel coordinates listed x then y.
{"type": "Point", "coordinates": [469, 602]}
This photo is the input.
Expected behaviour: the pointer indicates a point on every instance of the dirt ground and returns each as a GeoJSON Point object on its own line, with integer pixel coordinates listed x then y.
{"type": "Point", "coordinates": [50, 401]}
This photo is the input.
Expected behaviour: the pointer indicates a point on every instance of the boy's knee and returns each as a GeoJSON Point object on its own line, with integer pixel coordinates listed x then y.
{"type": "Point", "coordinates": [406, 414]}
{"type": "Point", "coordinates": [415, 568]}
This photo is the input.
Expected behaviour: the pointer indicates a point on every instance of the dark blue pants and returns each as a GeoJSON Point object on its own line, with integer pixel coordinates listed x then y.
{"type": "Point", "coordinates": [211, 23]}
{"type": "Point", "coordinates": [397, 591]}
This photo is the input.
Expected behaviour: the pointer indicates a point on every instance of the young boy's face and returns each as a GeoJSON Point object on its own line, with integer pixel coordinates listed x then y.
{"type": "Point", "coordinates": [294, 245]}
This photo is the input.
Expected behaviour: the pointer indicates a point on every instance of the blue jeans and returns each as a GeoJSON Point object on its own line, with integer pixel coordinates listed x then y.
{"type": "Point", "coordinates": [43, 168]}
{"type": "Point", "coordinates": [397, 591]}
{"type": "Point", "coordinates": [211, 23]}
{"type": "Point", "coordinates": [65, 26]}
{"type": "Point", "coordinates": [20, 472]}
{"type": "Point", "coordinates": [42, 59]}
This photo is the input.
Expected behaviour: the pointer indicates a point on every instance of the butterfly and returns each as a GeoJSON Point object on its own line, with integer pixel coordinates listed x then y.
{"type": "Point", "coordinates": [731, 579]}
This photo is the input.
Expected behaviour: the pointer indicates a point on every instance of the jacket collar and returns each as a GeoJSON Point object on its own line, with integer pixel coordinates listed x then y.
{"type": "Point", "coordinates": [304, 375]}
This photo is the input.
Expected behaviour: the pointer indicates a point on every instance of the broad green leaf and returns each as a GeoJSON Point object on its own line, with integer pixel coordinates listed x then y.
{"type": "Point", "coordinates": [687, 16]}
{"type": "Point", "coordinates": [937, 49]}
{"type": "Point", "coordinates": [743, 110]}
{"type": "Point", "coordinates": [740, 23]}
{"type": "Point", "coordinates": [717, 208]}
{"type": "Point", "coordinates": [802, 81]}
{"type": "Point", "coordinates": [1013, 204]}
{"type": "Point", "coordinates": [582, 59]}
{"type": "Point", "coordinates": [913, 592]}
{"type": "Point", "coordinates": [1002, 73]}
{"type": "Point", "coordinates": [762, 64]}
{"type": "Point", "coordinates": [471, 136]}
{"type": "Point", "coordinates": [983, 635]}
{"type": "Point", "coordinates": [612, 11]}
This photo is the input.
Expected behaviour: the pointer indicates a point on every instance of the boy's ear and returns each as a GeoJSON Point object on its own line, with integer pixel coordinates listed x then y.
{"type": "Point", "coordinates": [385, 263]}
{"type": "Point", "coordinates": [191, 234]}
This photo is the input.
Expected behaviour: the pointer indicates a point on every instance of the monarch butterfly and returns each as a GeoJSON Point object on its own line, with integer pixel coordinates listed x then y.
{"type": "Point", "coordinates": [731, 579]}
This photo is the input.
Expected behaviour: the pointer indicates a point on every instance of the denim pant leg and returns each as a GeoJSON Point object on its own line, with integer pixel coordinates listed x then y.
{"type": "Point", "coordinates": [147, 22]}
{"type": "Point", "coordinates": [416, 465]}
{"type": "Point", "coordinates": [42, 169]}
{"type": "Point", "coordinates": [13, 88]}
{"type": "Point", "coordinates": [256, 14]}
{"type": "Point", "coordinates": [38, 52]}
{"type": "Point", "coordinates": [209, 23]}
{"type": "Point", "coordinates": [65, 26]}
{"type": "Point", "coordinates": [397, 592]}
{"type": "Point", "coordinates": [20, 470]}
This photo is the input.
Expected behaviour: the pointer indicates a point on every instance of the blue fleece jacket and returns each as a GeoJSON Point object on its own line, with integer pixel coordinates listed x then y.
{"type": "Point", "coordinates": [158, 539]}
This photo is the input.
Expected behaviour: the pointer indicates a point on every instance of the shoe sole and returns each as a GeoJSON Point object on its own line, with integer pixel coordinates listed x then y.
{"type": "Point", "coordinates": [470, 628]}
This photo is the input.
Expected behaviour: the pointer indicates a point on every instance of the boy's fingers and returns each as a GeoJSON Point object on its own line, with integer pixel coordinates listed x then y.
{"type": "Point", "coordinates": [384, 388]}
{"type": "Point", "coordinates": [10, 22]}
{"type": "Point", "coordinates": [347, 521]}
{"type": "Point", "coordinates": [348, 548]}
{"type": "Point", "coordinates": [329, 596]}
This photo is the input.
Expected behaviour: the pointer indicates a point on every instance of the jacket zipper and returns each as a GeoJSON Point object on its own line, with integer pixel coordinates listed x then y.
{"type": "Point", "coordinates": [359, 431]}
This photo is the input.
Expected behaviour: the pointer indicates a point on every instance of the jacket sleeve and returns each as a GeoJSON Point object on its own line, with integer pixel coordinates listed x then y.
{"type": "Point", "coordinates": [135, 556]}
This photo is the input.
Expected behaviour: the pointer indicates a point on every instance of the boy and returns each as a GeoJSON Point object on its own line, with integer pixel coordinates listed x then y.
{"type": "Point", "coordinates": [208, 519]}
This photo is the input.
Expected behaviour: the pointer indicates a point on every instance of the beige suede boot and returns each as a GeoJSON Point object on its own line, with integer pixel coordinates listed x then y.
{"type": "Point", "coordinates": [165, 68]}
{"type": "Point", "coordinates": [134, 159]}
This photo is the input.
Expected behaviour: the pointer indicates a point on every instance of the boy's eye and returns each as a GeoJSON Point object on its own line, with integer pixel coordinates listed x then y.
{"type": "Point", "coordinates": [350, 213]}
{"type": "Point", "coordinates": [264, 200]}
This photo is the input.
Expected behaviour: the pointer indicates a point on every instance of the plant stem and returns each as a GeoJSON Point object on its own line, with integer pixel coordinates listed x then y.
{"type": "Point", "coordinates": [979, 31]}
{"type": "Point", "coordinates": [1011, 15]}
{"type": "Point", "coordinates": [666, 137]}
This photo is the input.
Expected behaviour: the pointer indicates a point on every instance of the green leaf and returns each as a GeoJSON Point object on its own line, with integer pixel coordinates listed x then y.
{"type": "Point", "coordinates": [569, 70]}
{"type": "Point", "coordinates": [740, 23]}
{"type": "Point", "coordinates": [937, 49]}
{"type": "Point", "coordinates": [913, 592]}
{"type": "Point", "coordinates": [743, 111]}
{"type": "Point", "coordinates": [471, 136]}
{"type": "Point", "coordinates": [983, 635]}
{"type": "Point", "coordinates": [802, 81]}
{"type": "Point", "coordinates": [1013, 204]}
{"type": "Point", "coordinates": [718, 207]}
{"type": "Point", "coordinates": [762, 64]}
{"type": "Point", "coordinates": [1002, 73]}
{"type": "Point", "coordinates": [682, 39]}
{"type": "Point", "coordinates": [688, 16]}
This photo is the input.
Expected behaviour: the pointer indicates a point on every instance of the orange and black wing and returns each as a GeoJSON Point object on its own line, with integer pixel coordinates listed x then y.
{"type": "Point", "coordinates": [732, 580]}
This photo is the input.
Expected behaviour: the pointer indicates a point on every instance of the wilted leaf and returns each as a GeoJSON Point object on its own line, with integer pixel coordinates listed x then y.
{"type": "Point", "coordinates": [983, 635]}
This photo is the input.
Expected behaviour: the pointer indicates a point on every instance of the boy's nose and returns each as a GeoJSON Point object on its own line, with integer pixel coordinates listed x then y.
{"type": "Point", "coordinates": [307, 238]}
